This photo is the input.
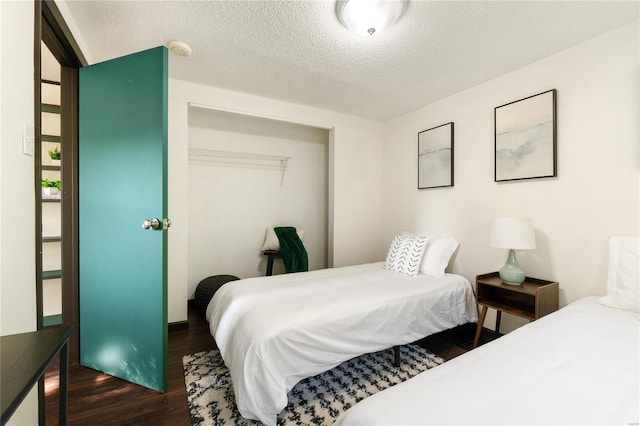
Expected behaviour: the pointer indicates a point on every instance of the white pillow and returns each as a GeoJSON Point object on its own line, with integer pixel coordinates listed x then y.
{"type": "Point", "coordinates": [623, 280]}
{"type": "Point", "coordinates": [405, 253]}
{"type": "Point", "coordinates": [271, 241]}
{"type": "Point", "coordinates": [437, 255]}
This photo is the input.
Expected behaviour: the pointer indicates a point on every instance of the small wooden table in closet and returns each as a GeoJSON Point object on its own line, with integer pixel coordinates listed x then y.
{"type": "Point", "coordinates": [532, 299]}
{"type": "Point", "coordinates": [271, 254]}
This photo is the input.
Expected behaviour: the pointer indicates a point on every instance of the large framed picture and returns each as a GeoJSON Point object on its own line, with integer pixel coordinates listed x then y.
{"type": "Point", "coordinates": [435, 157]}
{"type": "Point", "coordinates": [525, 138]}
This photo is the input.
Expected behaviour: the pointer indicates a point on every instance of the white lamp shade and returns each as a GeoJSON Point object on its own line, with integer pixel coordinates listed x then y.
{"type": "Point", "coordinates": [513, 233]}
{"type": "Point", "coordinates": [368, 17]}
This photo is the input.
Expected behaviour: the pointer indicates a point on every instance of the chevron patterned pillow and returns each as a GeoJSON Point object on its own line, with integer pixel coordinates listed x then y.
{"type": "Point", "coordinates": [405, 254]}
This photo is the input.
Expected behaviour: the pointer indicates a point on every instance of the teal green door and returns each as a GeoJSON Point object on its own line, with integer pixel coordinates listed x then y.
{"type": "Point", "coordinates": [122, 182]}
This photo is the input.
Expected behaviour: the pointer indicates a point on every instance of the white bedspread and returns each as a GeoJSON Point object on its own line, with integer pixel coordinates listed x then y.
{"type": "Point", "coordinates": [576, 366]}
{"type": "Point", "coordinates": [275, 331]}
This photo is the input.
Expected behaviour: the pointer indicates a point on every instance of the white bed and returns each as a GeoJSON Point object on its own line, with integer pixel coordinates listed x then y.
{"type": "Point", "coordinates": [579, 365]}
{"type": "Point", "coordinates": [275, 331]}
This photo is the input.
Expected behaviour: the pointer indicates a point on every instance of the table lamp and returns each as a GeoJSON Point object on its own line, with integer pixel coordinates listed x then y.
{"type": "Point", "coordinates": [512, 233]}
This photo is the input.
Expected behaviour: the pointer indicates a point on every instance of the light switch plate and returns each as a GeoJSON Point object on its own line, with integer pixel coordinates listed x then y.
{"type": "Point", "coordinates": [28, 139]}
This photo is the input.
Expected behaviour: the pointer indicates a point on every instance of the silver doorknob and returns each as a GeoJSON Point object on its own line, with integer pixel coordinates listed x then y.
{"type": "Point", "coordinates": [166, 223]}
{"type": "Point", "coordinates": [151, 223]}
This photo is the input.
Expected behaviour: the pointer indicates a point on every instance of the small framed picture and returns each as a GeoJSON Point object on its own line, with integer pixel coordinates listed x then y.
{"type": "Point", "coordinates": [525, 138]}
{"type": "Point", "coordinates": [435, 157]}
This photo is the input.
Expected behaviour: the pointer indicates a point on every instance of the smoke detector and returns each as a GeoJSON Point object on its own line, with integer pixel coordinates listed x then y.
{"type": "Point", "coordinates": [179, 48]}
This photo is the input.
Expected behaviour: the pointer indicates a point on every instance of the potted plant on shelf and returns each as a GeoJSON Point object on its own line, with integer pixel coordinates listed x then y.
{"type": "Point", "coordinates": [54, 154]}
{"type": "Point", "coordinates": [51, 187]}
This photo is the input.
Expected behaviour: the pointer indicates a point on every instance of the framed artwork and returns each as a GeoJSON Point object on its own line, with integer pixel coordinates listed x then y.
{"type": "Point", "coordinates": [435, 157]}
{"type": "Point", "coordinates": [525, 138]}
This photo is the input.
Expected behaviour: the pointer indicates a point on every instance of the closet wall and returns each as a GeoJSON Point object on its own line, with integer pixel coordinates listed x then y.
{"type": "Point", "coordinates": [233, 200]}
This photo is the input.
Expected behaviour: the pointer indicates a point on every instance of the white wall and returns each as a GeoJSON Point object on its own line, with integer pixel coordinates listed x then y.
{"type": "Point", "coordinates": [233, 201]}
{"type": "Point", "coordinates": [17, 229]}
{"type": "Point", "coordinates": [354, 177]}
{"type": "Point", "coordinates": [595, 196]}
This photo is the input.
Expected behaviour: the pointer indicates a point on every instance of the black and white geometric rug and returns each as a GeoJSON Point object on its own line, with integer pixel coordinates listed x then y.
{"type": "Point", "coordinates": [317, 400]}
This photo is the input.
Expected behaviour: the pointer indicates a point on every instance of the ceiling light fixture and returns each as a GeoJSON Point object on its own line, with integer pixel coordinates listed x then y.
{"type": "Point", "coordinates": [369, 17]}
{"type": "Point", "coordinates": [179, 48]}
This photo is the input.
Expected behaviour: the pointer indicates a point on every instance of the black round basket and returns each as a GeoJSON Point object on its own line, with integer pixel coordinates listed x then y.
{"type": "Point", "coordinates": [208, 287]}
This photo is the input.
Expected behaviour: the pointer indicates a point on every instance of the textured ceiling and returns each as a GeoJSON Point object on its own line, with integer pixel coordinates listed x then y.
{"type": "Point", "coordinates": [297, 51]}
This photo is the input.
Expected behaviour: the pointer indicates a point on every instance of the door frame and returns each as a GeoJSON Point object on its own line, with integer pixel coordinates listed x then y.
{"type": "Point", "coordinates": [50, 28]}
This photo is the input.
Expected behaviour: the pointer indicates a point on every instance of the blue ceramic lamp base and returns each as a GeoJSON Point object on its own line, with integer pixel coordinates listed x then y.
{"type": "Point", "coordinates": [511, 273]}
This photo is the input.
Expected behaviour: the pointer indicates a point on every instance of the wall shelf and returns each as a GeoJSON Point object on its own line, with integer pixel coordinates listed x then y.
{"type": "Point", "coordinates": [49, 275]}
{"type": "Point", "coordinates": [51, 138]}
{"type": "Point", "coordinates": [53, 109]}
{"type": "Point", "coordinates": [52, 82]}
{"type": "Point", "coordinates": [239, 159]}
{"type": "Point", "coordinates": [51, 284]}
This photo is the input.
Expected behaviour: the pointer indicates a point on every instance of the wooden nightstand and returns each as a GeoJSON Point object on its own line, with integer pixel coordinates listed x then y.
{"type": "Point", "coordinates": [532, 299]}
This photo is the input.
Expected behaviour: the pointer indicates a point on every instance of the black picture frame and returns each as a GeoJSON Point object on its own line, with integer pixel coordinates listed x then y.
{"type": "Point", "coordinates": [525, 138]}
{"type": "Point", "coordinates": [435, 157]}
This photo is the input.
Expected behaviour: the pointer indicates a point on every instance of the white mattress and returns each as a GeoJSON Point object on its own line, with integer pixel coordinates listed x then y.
{"type": "Point", "coordinates": [275, 331]}
{"type": "Point", "coordinates": [576, 366]}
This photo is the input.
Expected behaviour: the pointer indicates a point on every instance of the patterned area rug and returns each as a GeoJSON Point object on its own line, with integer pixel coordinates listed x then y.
{"type": "Point", "coordinates": [317, 400]}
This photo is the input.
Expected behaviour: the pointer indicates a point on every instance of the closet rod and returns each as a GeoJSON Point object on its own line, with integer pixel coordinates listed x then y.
{"type": "Point", "coordinates": [243, 158]}
{"type": "Point", "coordinates": [204, 152]}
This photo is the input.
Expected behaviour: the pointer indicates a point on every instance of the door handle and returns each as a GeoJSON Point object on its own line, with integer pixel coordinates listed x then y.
{"type": "Point", "coordinates": [156, 225]}
{"type": "Point", "coordinates": [151, 223]}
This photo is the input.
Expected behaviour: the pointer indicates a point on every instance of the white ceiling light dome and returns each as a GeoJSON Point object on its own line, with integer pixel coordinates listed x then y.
{"type": "Point", "coordinates": [369, 17]}
{"type": "Point", "coordinates": [179, 48]}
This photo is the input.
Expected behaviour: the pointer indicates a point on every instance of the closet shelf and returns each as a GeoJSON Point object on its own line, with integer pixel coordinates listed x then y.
{"type": "Point", "coordinates": [239, 159]}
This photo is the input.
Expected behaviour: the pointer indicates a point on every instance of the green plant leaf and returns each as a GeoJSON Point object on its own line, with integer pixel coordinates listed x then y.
{"type": "Point", "coordinates": [55, 153]}
{"type": "Point", "coordinates": [46, 183]}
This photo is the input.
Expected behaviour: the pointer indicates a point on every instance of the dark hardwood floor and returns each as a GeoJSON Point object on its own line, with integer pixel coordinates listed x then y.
{"type": "Point", "coordinates": [98, 399]}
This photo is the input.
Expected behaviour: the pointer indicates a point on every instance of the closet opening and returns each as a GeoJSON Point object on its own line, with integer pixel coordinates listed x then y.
{"type": "Point", "coordinates": [246, 174]}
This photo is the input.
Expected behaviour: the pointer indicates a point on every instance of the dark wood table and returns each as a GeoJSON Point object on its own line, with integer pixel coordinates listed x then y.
{"type": "Point", "coordinates": [271, 254]}
{"type": "Point", "coordinates": [23, 360]}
